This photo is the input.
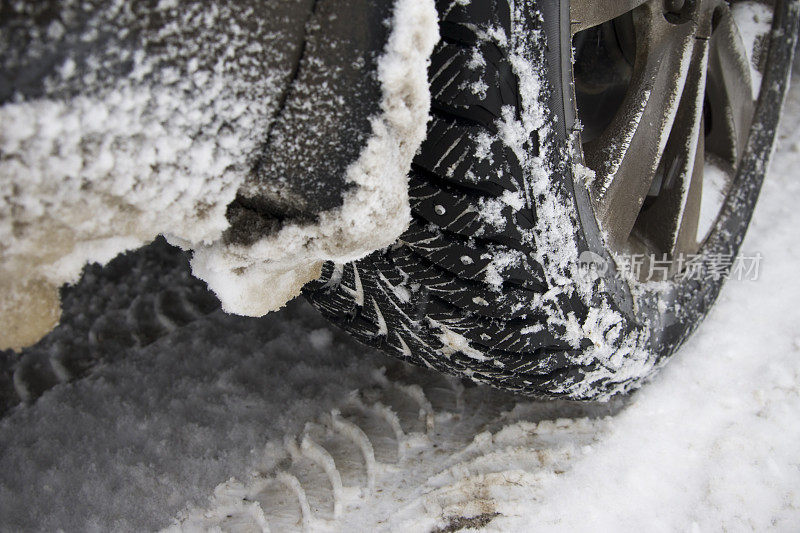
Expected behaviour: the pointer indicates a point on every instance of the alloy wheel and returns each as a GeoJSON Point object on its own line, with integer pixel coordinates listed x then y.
{"type": "Point", "coordinates": [664, 94]}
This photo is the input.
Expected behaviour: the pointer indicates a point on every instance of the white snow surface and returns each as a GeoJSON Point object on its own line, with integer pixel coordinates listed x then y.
{"type": "Point", "coordinates": [753, 19]}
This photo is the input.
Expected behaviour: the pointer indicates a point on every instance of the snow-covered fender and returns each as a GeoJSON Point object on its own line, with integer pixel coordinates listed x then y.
{"type": "Point", "coordinates": [265, 136]}
{"type": "Point", "coordinates": [332, 183]}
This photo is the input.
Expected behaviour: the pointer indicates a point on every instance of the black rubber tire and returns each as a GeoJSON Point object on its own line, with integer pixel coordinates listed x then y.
{"type": "Point", "coordinates": [528, 326]}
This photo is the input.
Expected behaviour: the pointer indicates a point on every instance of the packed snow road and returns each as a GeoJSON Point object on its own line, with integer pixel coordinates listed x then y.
{"type": "Point", "coordinates": [200, 419]}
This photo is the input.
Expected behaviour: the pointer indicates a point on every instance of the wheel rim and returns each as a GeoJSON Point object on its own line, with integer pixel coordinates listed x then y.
{"type": "Point", "coordinates": [664, 91]}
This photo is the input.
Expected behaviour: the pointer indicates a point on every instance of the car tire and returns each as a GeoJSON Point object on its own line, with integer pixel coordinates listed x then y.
{"type": "Point", "coordinates": [504, 275]}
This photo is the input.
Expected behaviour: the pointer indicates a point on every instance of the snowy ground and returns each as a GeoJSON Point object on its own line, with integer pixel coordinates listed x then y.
{"type": "Point", "coordinates": [710, 444]}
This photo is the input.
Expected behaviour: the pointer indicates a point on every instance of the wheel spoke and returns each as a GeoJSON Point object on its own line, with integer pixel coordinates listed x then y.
{"type": "Point", "coordinates": [729, 90]}
{"type": "Point", "coordinates": [686, 241]}
{"type": "Point", "coordinates": [626, 156]}
{"type": "Point", "coordinates": [669, 223]}
{"type": "Point", "coordinates": [585, 14]}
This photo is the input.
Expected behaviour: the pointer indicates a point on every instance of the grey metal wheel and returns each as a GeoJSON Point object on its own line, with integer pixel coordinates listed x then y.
{"type": "Point", "coordinates": [664, 93]}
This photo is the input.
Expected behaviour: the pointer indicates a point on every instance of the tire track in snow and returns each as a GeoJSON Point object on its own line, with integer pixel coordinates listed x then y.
{"type": "Point", "coordinates": [138, 299]}
{"type": "Point", "coordinates": [412, 449]}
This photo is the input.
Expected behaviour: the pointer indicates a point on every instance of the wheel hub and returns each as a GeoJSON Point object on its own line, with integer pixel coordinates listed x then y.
{"type": "Point", "coordinates": [663, 91]}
